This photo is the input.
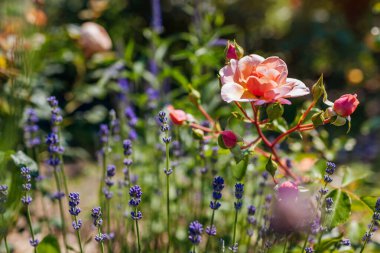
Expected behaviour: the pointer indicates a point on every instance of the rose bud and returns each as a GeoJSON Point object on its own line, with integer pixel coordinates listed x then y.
{"type": "Point", "coordinates": [346, 105]}
{"type": "Point", "coordinates": [233, 51]}
{"type": "Point", "coordinates": [227, 139]}
{"type": "Point", "coordinates": [287, 191]}
{"type": "Point", "coordinates": [178, 117]}
{"type": "Point", "coordinates": [94, 38]}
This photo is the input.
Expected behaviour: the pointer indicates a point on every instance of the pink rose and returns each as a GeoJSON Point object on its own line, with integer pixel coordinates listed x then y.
{"type": "Point", "coordinates": [94, 38]}
{"type": "Point", "coordinates": [346, 105]}
{"type": "Point", "coordinates": [253, 78]}
{"type": "Point", "coordinates": [178, 117]}
{"type": "Point", "coordinates": [288, 191]}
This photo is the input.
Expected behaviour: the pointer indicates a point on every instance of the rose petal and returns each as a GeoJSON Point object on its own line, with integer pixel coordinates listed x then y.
{"type": "Point", "coordinates": [227, 73]}
{"type": "Point", "coordinates": [247, 64]}
{"type": "Point", "coordinates": [232, 92]}
{"type": "Point", "coordinates": [275, 63]}
{"type": "Point", "coordinates": [299, 88]}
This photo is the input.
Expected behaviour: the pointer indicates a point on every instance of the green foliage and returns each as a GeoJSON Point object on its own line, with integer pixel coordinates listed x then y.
{"type": "Point", "coordinates": [49, 244]}
{"type": "Point", "coordinates": [341, 209]}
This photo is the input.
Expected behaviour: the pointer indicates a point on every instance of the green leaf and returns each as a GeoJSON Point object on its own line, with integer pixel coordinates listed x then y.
{"type": "Point", "coordinates": [317, 119]}
{"type": "Point", "coordinates": [49, 244]}
{"type": "Point", "coordinates": [341, 209]}
{"type": "Point", "coordinates": [354, 173]}
{"type": "Point", "coordinates": [370, 201]}
{"type": "Point", "coordinates": [327, 243]}
{"type": "Point", "coordinates": [20, 159]}
{"type": "Point", "coordinates": [318, 90]}
{"type": "Point", "coordinates": [240, 169]}
{"type": "Point", "coordinates": [271, 166]}
{"type": "Point", "coordinates": [238, 153]}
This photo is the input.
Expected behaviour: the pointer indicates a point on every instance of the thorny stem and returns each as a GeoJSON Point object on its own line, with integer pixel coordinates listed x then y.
{"type": "Point", "coordinates": [207, 116]}
{"type": "Point", "coordinates": [206, 129]}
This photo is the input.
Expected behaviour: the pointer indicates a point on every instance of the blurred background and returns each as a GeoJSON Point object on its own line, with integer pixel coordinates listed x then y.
{"type": "Point", "coordinates": [151, 50]}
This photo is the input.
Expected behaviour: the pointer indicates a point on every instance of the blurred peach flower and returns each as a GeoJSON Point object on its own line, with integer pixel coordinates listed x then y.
{"type": "Point", "coordinates": [36, 17]}
{"type": "Point", "coordinates": [178, 117]}
{"type": "Point", "coordinates": [94, 38]}
{"type": "Point", "coordinates": [346, 105]}
{"type": "Point", "coordinates": [254, 78]}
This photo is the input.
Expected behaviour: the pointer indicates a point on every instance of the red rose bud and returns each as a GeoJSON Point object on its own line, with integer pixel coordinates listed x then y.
{"type": "Point", "coordinates": [346, 105]}
{"type": "Point", "coordinates": [231, 51]}
{"type": "Point", "coordinates": [228, 139]}
{"type": "Point", "coordinates": [178, 117]}
{"type": "Point", "coordinates": [288, 190]}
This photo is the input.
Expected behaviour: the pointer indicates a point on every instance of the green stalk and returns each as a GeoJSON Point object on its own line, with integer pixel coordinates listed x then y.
{"type": "Point", "coordinates": [235, 223]}
{"type": "Point", "coordinates": [108, 223]}
{"type": "Point", "coordinates": [306, 240]}
{"type": "Point", "coordinates": [285, 245]}
{"type": "Point", "coordinates": [167, 194]}
{"type": "Point", "coordinates": [61, 208]}
{"type": "Point", "coordinates": [101, 243]}
{"type": "Point", "coordinates": [211, 224]}
{"type": "Point", "coordinates": [78, 236]}
{"type": "Point", "coordinates": [30, 226]}
{"type": "Point", "coordinates": [6, 244]}
{"type": "Point", "coordinates": [104, 169]}
{"type": "Point", "coordinates": [366, 239]}
{"type": "Point", "coordinates": [138, 233]}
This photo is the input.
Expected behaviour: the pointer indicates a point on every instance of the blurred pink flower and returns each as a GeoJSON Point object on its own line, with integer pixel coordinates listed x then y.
{"type": "Point", "coordinates": [253, 78]}
{"type": "Point", "coordinates": [94, 38]}
{"type": "Point", "coordinates": [288, 191]}
{"type": "Point", "coordinates": [178, 117]}
{"type": "Point", "coordinates": [229, 138]}
{"type": "Point", "coordinates": [346, 105]}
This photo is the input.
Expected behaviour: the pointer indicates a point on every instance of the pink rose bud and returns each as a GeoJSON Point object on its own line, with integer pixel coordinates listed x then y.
{"type": "Point", "coordinates": [231, 51]}
{"type": "Point", "coordinates": [178, 117]}
{"type": "Point", "coordinates": [94, 38]}
{"type": "Point", "coordinates": [228, 139]}
{"type": "Point", "coordinates": [346, 105]}
{"type": "Point", "coordinates": [288, 190]}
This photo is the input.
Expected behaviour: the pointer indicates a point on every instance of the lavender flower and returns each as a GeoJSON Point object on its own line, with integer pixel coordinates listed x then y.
{"type": "Point", "coordinates": [34, 242]}
{"type": "Point", "coordinates": [218, 185]}
{"type": "Point", "coordinates": [251, 219]}
{"type": "Point", "coordinates": [96, 214]}
{"type": "Point", "coordinates": [345, 242]}
{"type": "Point", "coordinates": [135, 193]}
{"type": "Point", "coordinates": [25, 173]}
{"type": "Point", "coordinates": [56, 117]}
{"type": "Point", "coordinates": [3, 197]}
{"type": "Point", "coordinates": [195, 232]}
{"type": "Point", "coordinates": [239, 190]}
{"type": "Point", "coordinates": [31, 128]}
{"type": "Point", "coordinates": [309, 250]}
{"type": "Point", "coordinates": [329, 204]}
{"type": "Point", "coordinates": [73, 203]}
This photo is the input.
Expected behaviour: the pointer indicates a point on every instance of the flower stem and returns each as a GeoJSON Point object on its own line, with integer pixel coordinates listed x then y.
{"type": "Point", "coordinates": [285, 245]}
{"type": "Point", "coordinates": [108, 223]}
{"type": "Point", "coordinates": [78, 236]}
{"type": "Point", "coordinates": [104, 169]}
{"type": "Point", "coordinates": [167, 194]}
{"type": "Point", "coordinates": [138, 233]}
{"type": "Point", "coordinates": [101, 243]}
{"type": "Point", "coordinates": [61, 208]}
{"type": "Point", "coordinates": [305, 243]}
{"type": "Point", "coordinates": [211, 224]}
{"type": "Point", "coordinates": [29, 219]}
{"type": "Point", "coordinates": [366, 239]}
{"type": "Point", "coordinates": [6, 244]}
{"type": "Point", "coordinates": [235, 224]}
